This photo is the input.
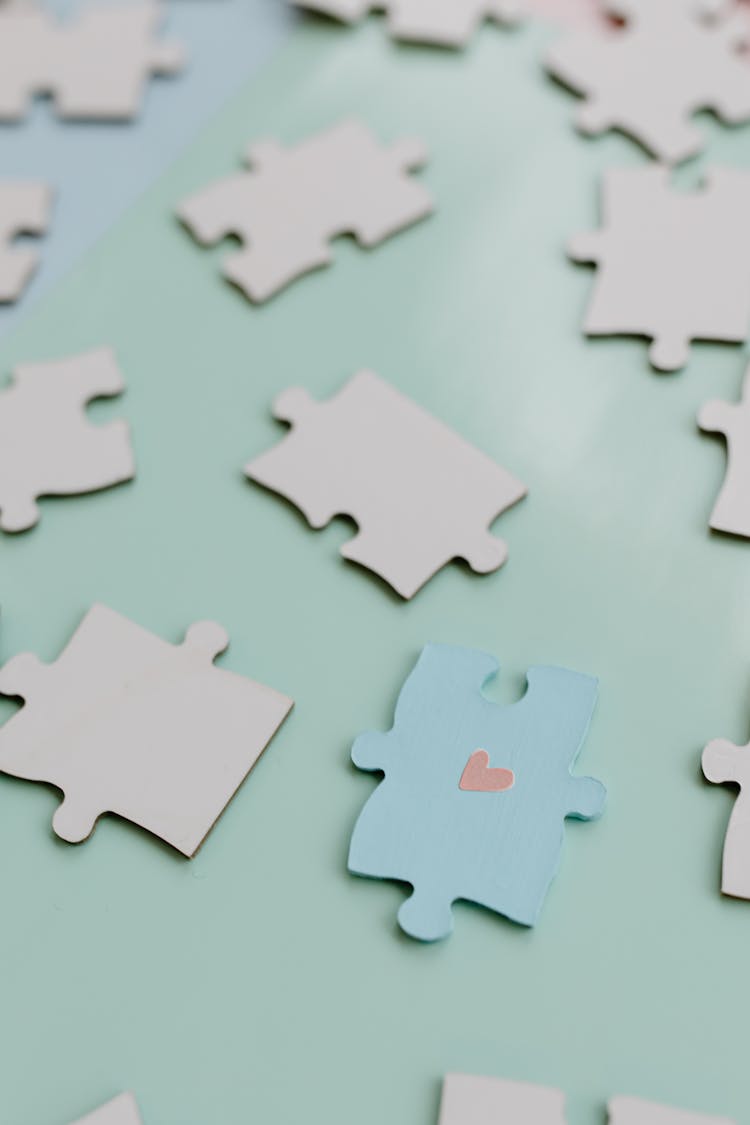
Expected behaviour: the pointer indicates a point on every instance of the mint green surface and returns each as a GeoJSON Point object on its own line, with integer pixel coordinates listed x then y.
{"type": "Point", "coordinates": [260, 984]}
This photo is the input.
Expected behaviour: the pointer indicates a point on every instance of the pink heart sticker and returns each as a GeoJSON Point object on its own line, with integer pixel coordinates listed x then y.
{"type": "Point", "coordinates": [478, 777]}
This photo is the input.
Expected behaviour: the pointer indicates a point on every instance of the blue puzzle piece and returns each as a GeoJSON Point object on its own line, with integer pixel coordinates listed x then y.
{"type": "Point", "coordinates": [454, 828]}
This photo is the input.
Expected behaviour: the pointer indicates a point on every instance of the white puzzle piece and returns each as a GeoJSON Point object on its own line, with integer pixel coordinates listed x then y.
{"type": "Point", "coordinates": [122, 1110]}
{"type": "Point", "coordinates": [47, 445]}
{"type": "Point", "coordinates": [444, 23]}
{"type": "Point", "coordinates": [24, 209]}
{"type": "Point", "coordinates": [633, 1111]}
{"type": "Point", "coordinates": [293, 201]}
{"type": "Point", "coordinates": [673, 266]}
{"type": "Point", "coordinates": [419, 493]}
{"type": "Point", "coordinates": [126, 723]}
{"type": "Point", "coordinates": [731, 512]}
{"type": "Point", "coordinates": [471, 1100]}
{"type": "Point", "coordinates": [94, 66]}
{"type": "Point", "coordinates": [649, 78]}
{"type": "Point", "coordinates": [724, 763]}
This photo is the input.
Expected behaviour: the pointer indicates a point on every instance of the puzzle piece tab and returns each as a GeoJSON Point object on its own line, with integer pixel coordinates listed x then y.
{"type": "Point", "coordinates": [123, 722]}
{"type": "Point", "coordinates": [723, 762]}
{"type": "Point", "coordinates": [294, 201]}
{"type": "Point", "coordinates": [444, 23]}
{"type": "Point", "coordinates": [122, 1110]}
{"type": "Point", "coordinates": [419, 493]}
{"type": "Point", "coordinates": [673, 266]}
{"type": "Point", "coordinates": [47, 446]}
{"type": "Point", "coordinates": [649, 78]}
{"type": "Point", "coordinates": [499, 849]}
{"type": "Point", "coordinates": [24, 209]}
{"type": "Point", "coordinates": [731, 512]}
{"type": "Point", "coordinates": [94, 66]}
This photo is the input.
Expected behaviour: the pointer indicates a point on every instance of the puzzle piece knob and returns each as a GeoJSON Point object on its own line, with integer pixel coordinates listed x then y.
{"type": "Point", "coordinates": [426, 916]}
{"type": "Point", "coordinates": [74, 821]}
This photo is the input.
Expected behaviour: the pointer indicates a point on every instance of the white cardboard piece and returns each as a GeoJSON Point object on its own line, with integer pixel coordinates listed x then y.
{"type": "Point", "coordinates": [634, 1111]}
{"type": "Point", "coordinates": [471, 1100]}
{"type": "Point", "coordinates": [94, 66]}
{"type": "Point", "coordinates": [25, 208]}
{"type": "Point", "coordinates": [418, 492]}
{"type": "Point", "coordinates": [47, 445]}
{"type": "Point", "coordinates": [122, 1110]}
{"type": "Point", "coordinates": [293, 201]}
{"type": "Point", "coordinates": [731, 511]}
{"type": "Point", "coordinates": [724, 763]}
{"type": "Point", "coordinates": [124, 722]}
{"type": "Point", "coordinates": [443, 23]}
{"type": "Point", "coordinates": [673, 266]}
{"type": "Point", "coordinates": [672, 59]}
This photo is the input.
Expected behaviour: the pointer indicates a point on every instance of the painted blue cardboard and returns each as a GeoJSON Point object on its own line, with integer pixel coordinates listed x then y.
{"type": "Point", "coordinates": [500, 849]}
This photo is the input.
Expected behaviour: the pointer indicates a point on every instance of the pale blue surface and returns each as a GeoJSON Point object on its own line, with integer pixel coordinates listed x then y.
{"type": "Point", "coordinates": [500, 850]}
{"type": "Point", "coordinates": [98, 170]}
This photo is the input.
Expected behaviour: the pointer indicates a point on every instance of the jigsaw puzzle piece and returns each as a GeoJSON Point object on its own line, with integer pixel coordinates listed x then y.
{"type": "Point", "coordinates": [634, 1111]}
{"type": "Point", "coordinates": [292, 202]}
{"type": "Point", "coordinates": [648, 78]}
{"type": "Point", "coordinates": [731, 511]}
{"type": "Point", "coordinates": [471, 1100]}
{"type": "Point", "coordinates": [722, 763]}
{"type": "Point", "coordinates": [95, 67]}
{"type": "Point", "coordinates": [122, 1110]}
{"type": "Point", "coordinates": [25, 208]}
{"type": "Point", "coordinates": [673, 266]}
{"type": "Point", "coordinates": [440, 23]}
{"type": "Point", "coordinates": [104, 60]}
{"type": "Point", "coordinates": [420, 495]}
{"type": "Point", "coordinates": [499, 849]}
{"type": "Point", "coordinates": [124, 722]}
{"type": "Point", "coordinates": [47, 446]}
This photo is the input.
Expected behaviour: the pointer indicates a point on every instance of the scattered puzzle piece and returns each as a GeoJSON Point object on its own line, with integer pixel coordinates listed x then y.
{"type": "Point", "coordinates": [673, 266]}
{"type": "Point", "coordinates": [122, 1110]}
{"type": "Point", "coordinates": [24, 209]}
{"type": "Point", "coordinates": [732, 509]}
{"type": "Point", "coordinates": [95, 66]}
{"type": "Point", "coordinates": [47, 445]}
{"type": "Point", "coordinates": [724, 762]}
{"type": "Point", "coordinates": [650, 77]}
{"type": "Point", "coordinates": [497, 849]}
{"type": "Point", "coordinates": [419, 493]}
{"type": "Point", "coordinates": [124, 722]}
{"type": "Point", "coordinates": [633, 1111]}
{"type": "Point", "coordinates": [470, 1100]}
{"type": "Point", "coordinates": [443, 23]}
{"type": "Point", "coordinates": [293, 201]}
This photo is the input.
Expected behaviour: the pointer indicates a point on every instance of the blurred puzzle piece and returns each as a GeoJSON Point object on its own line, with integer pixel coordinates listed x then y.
{"type": "Point", "coordinates": [24, 209]}
{"type": "Point", "coordinates": [674, 266]}
{"type": "Point", "coordinates": [672, 59]}
{"type": "Point", "coordinates": [293, 201]}
{"type": "Point", "coordinates": [500, 850]}
{"type": "Point", "coordinates": [122, 1110]}
{"type": "Point", "coordinates": [47, 445]}
{"type": "Point", "coordinates": [126, 723]}
{"type": "Point", "coordinates": [420, 495]}
{"type": "Point", "coordinates": [472, 1100]}
{"type": "Point", "coordinates": [94, 66]}
{"type": "Point", "coordinates": [443, 23]}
